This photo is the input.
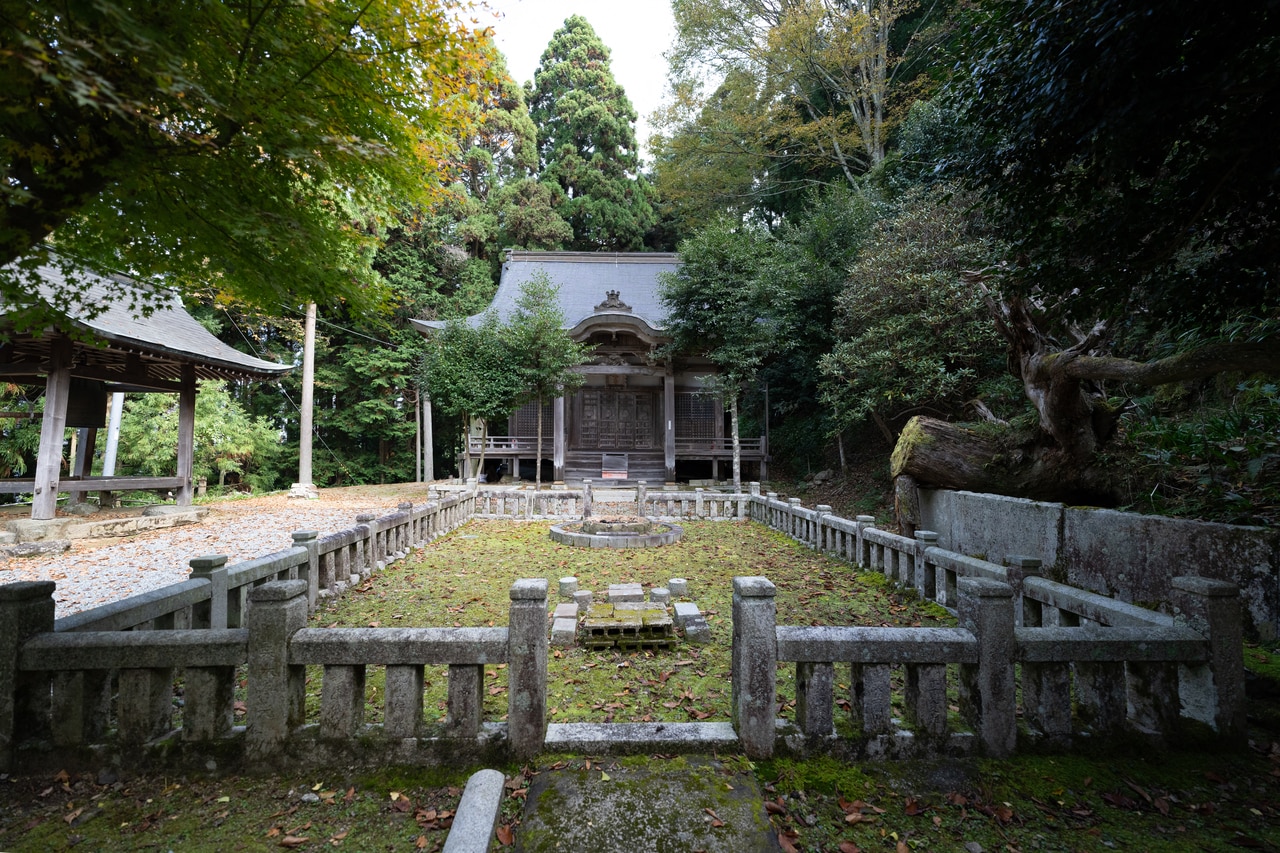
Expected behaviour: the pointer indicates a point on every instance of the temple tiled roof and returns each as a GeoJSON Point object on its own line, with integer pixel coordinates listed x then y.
{"type": "Point", "coordinates": [585, 280]}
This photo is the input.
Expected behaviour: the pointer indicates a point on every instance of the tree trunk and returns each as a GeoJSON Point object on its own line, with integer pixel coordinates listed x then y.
{"type": "Point", "coordinates": [737, 444]}
{"type": "Point", "coordinates": [484, 442]}
{"type": "Point", "coordinates": [1058, 461]}
{"type": "Point", "coordinates": [466, 447]}
{"type": "Point", "coordinates": [943, 455]}
{"type": "Point", "coordinates": [537, 470]}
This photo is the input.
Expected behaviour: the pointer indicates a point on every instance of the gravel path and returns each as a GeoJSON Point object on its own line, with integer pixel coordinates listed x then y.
{"type": "Point", "coordinates": [98, 571]}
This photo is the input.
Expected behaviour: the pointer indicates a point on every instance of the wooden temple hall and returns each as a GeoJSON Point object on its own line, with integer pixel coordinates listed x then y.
{"type": "Point", "coordinates": [113, 351]}
{"type": "Point", "coordinates": [638, 417]}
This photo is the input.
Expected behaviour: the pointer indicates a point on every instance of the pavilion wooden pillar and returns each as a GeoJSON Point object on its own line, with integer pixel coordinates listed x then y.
{"type": "Point", "coordinates": [85, 446]}
{"type": "Point", "coordinates": [557, 439]}
{"type": "Point", "coordinates": [186, 434]}
{"type": "Point", "coordinates": [44, 500]}
{"type": "Point", "coordinates": [669, 419]}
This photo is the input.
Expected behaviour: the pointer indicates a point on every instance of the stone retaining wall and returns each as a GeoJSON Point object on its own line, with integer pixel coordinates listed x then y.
{"type": "Point", "coordinates": [1122, 554]}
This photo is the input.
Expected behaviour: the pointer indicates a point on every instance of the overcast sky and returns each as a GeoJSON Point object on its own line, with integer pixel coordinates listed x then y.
{"type": "Point", "coordinates": [637, 32]}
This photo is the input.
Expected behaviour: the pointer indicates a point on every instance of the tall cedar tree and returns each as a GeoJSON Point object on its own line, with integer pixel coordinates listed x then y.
{"type": "Point", "coordinates": [496, 198]}
{"type": "Point", "coordinates": [587, 141]}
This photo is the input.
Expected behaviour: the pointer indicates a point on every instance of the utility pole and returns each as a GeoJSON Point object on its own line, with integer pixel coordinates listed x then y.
{"type": "Point", "coordinates": [304, 488]}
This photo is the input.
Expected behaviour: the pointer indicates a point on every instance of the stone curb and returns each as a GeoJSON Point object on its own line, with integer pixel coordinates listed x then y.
{"type": "Point", "coordinates": [477, 814]}
{"type": "Point", "coordinates": [35, 549]}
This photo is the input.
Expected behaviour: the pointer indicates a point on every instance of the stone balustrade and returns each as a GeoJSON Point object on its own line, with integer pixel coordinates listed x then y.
{"type": "Point", "coordinates": [529, 504]}
{"type": "Point", "coordinates": [72, 695]}
{"type": "Point", "coordinates": [1084, 663]}
{"type": "Point", "coordinates": [1077, 663]}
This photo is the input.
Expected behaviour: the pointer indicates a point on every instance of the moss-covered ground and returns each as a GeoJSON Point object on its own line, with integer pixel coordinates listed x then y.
{"type": "Point", "coordinates": [463, 580]}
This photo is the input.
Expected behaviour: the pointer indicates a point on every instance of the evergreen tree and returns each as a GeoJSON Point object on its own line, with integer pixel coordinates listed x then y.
{"type": "Point", "coordinates": [587, 141]}
{"type": "Point", "coordinates": [545, 353]}
{"type": "Point", "coordinates": [497, 200]}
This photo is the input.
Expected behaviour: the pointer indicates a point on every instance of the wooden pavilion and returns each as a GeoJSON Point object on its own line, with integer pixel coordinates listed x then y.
{"type": "Point", "coordinates": [639, 416]}
{"type": "Point", "coordinates": [113, 350]}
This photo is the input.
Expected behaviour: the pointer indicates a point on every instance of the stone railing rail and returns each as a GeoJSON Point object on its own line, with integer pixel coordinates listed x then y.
{"type": "Point", "coordinates": [60, 691]}
{"type": "Point", "coordinates": [700, 503]}
{"type": "Point", "coordinates": [529, 504]}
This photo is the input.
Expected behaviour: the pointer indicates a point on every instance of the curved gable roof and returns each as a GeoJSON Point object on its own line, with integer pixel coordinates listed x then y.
{"type": "Point", "coordinates": [169, 335]}
{"type": "Point", "coordinates": [585, 280]}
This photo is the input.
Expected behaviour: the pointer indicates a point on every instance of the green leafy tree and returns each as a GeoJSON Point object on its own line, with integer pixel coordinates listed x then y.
{"type": "Point", "coordinates": [255, 147]}
{"type": "Point", "coordinates": [1129, 167]}
{"type": "Point", "coordinates": [911, 331]}
{"type": "Point", "coordinates": [808, 261]}
{"type": "Point", "coordinates": [545, 353]}
{"type": "Point", "coordinates": [227, 439]}
{"type": "Point", "coordinates": [472, 373]}
{"type": "Point", "coordinates": [1133, 163]}
{"type": "Point", "coordinates": [806, 95]}
{"type": "Point", "coordinates": [19, 436]}
{"type": "Point", "coordinates": [719, 308]}
{"type": "Point", "coordinates": [587, 141]}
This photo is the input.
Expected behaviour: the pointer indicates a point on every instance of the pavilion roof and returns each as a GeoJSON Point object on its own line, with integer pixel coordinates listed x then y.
{"type": "Point", "coordinates": [132, 346]}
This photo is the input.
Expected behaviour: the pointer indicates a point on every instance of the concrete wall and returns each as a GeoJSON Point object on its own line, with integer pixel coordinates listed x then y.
{"type": "Point", "coordinates": [1130, 556]}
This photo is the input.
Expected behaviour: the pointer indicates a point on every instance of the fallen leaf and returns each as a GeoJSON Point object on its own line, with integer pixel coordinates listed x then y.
{"type": "Point", "coordinates": [849, 847]}
{"type": "Point", "coordinates": [293, 841]}
{"type": "Point", "coordinates": [421, 843]}
{"type": "Point", "coordinates": [785, 841]}
{"type": "Point", "coordinates": [505, 836]}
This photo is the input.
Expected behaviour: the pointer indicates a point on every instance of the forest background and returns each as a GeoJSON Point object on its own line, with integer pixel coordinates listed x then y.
{"type": "Point", "coordinates": [1034, 244]}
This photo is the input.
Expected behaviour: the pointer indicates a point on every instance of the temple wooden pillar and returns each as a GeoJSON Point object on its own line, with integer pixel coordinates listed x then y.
{"type": "Point", "coordinates": [669, 422]}
{"type": "Point", "coordinates": [186, 435]}
{"type": "Point", "coordinates": [44, 500]}
{"type": "Point", "coordinates": [557, 438]}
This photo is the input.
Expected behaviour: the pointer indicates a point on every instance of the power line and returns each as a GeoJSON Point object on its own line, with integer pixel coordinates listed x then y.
{"type": "Point", "coordinates": [284, 391]}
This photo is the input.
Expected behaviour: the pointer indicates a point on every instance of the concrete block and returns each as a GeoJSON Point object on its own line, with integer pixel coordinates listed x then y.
{"type": "Point", "coordinates": [659, 595]}
{"type": "Point", "coordinates": [564, 632]}
{"type": "Point", "coordinates": [625, 592]}
{"type": "Point", "coordinates": [567, 610]}
{"type": "Point", "coordinates": [679, 587]}
{"type": "Point", "coordinates": [583, 599]}
{"type": "Point", "coordinates": [568, 586]}
{"type": "Point", "coordinates": [686, 611]}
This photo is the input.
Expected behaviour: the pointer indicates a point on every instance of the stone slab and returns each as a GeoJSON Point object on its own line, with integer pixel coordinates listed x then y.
{"type": "Point", "coordinates": [477, 814]}
{"type": "Point", "coordinates": [34, 549]}
{"type": "Point", "coordinates": [639, 738]}
{"type": "Point", "coordinates": [568, 610]}
{"type": "Point", "coordinates": [656, 808]}
{"type": "Point", "coordinates": [686, 611]}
